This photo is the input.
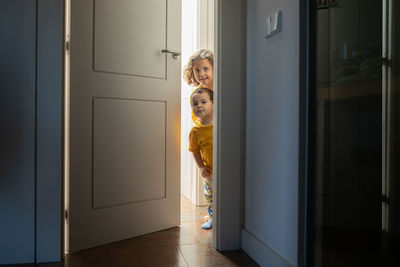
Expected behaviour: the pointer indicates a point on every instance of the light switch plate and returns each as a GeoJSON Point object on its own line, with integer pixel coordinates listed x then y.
{"type": "Point", "coordinates": [273, 24]}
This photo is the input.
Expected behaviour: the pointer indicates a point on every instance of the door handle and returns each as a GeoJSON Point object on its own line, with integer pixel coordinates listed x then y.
{"type": "Point", "coordinates": [174, 54]}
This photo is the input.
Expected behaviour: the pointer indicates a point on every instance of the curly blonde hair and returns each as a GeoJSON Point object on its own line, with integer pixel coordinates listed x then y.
{"type": "Point", "coordinates": [188, 74]}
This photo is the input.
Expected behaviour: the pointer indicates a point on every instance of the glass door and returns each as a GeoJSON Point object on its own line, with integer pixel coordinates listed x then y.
{"type": "Point", "coordinates": [391, 146]}
{"type": "Point", "coordinates": [354, 216]}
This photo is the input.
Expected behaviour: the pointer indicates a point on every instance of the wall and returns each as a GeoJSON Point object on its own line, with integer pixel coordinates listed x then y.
{"type": "Point", "coordinates": [17, 131]}
{"type": "Point", "coordinates": [272, 133]}
{"type": "Point", "coordinates": [49, 211]}
{"type": "Point", "coordinates": [30, 135]}
{"type": "Point", "coordinates": [188, 46]}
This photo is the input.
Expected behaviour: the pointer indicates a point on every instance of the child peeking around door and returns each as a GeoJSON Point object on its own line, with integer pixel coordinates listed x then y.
{"type": "Point", "coordinates": [201, 142]}
{"type": "Point", "coordinates": [199, 72]}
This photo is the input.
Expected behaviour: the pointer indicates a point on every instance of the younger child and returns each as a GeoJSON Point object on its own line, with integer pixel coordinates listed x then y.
{"type": "Point", "coordinates": [201, 142]}
{"type": "Point", "coordinates": [199, 71]}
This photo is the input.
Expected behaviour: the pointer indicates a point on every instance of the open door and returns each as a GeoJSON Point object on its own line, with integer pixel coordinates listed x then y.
{"type": "Point", "coordinates": [124, 120]}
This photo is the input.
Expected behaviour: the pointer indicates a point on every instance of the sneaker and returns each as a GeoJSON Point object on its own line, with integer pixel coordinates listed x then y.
{"type": "Point", "coordinates": [207, 225]}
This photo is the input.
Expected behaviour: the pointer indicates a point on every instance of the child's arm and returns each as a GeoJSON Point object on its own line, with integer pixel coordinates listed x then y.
{"type": "Point", "coordinates": [205, 171]}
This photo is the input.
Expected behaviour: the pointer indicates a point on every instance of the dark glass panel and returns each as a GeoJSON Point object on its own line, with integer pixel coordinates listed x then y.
{"type": "Point", "coordinates": [355, 204]}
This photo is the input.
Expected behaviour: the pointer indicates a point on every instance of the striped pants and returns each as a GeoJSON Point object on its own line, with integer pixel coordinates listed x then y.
{"type": "Point", "coordinates": [208, 193]}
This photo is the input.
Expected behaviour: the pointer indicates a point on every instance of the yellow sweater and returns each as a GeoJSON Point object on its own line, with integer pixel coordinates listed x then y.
{"type": "Point", "coordinates": [201, 140]}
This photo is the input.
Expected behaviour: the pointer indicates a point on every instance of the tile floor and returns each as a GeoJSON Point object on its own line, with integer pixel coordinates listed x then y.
{"type": "Point", "coordinates": [186, 245]}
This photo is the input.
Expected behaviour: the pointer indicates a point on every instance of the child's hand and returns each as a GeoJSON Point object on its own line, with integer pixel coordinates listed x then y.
{"type": "Point", "coordinates": [205, 171]}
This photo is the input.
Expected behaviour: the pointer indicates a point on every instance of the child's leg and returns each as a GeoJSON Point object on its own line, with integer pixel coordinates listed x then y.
{"type": "Point", "coordinates": [208, 192]}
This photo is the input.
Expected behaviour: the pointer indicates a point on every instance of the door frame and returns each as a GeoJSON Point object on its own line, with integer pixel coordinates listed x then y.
{"type": "Point", "coordinates": [229, 125]}
{"type": "Point", "coordinates": [229, 121]}
{"type": "Point", "coordinates": [307, 38]}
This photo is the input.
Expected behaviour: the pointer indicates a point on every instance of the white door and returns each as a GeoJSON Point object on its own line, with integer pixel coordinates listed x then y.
{"type": "Point", "coordinates": [124, 120]}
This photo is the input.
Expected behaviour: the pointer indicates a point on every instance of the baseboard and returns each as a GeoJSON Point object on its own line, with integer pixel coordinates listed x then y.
{"type": "Point", "coordinates": [260, 252]}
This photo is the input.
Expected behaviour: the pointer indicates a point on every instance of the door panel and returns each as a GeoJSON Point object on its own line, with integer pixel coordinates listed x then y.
{"type": "Point", "coordinates": [125, 146]}
{"type": "Point", "coordinates": [119, 34]}
{"type": "Point", "coordinates": [124, 120]}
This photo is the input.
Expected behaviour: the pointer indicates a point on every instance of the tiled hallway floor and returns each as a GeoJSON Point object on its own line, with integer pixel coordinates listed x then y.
{"type": "Point", "coordinates": [186, 245]}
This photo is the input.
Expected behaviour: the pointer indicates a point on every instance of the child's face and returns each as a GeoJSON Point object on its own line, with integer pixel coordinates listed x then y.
{"type": "Point", "coordinates": [203, 73]}
{"type": "Point", "coordinates": [202, 106]}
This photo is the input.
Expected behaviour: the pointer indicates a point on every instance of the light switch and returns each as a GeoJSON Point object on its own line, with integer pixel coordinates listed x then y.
{"type": "Point", "coordinates": [273, 24]}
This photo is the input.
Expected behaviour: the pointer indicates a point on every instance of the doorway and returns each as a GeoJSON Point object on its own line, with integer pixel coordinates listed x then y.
{"type": "Point", "coordinates": [105, 105]}
{"type": "Point", "coordinates": [197, 33]}
{"type": "Point", "coordinates": [353, 189]}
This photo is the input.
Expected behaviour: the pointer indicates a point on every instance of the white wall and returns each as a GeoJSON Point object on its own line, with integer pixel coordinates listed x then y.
{"type": "Point", "coordinates": [272, 134]}
{"type": "Point", "coordinates": [188, 46]}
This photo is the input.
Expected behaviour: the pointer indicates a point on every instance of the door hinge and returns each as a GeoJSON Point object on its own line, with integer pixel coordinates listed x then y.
{"type": "Point", "coordinates": [67, 46]}
{"type": "Point", "coordinates": [65, 214]}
